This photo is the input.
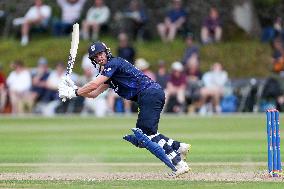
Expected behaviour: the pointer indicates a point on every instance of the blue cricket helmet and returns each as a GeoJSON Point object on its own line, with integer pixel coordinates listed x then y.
{"type": "Point", "coordinates": [96, 48]}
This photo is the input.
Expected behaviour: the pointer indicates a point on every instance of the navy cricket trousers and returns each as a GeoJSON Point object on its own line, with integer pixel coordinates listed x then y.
{"type": "Point", "coordinates": [150, 102]}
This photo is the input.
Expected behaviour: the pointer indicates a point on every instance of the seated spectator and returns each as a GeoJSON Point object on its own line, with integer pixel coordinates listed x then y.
{"type": "Point", "coordinates": [37, 15]}
{"type": "Point", "coordinates": [191, 50]}
{"type": "Point", "coordinates": [143, 65]}
{"type": "Point", "coordinates": [162, 75]}
{"type": "Point", "coordinates": [97, 106]}
{"type": "Point", "coordinates": [51, 95]}
{"type": "Point", "coordinates": [211, 30]}
{"type": "Point", "coordinates": [192, 69]}
{"type": "Point", "coordinates": [133, 20]}
{"type": "Point", "coordinates": [71, 13]}
{"type": "Point", "coordinates": [278, 27]}
{"type": "Point", "coordinates": [277, 56]}
{"type": "Point", "coordinates": [39, 80]}
{"type": "Point", "coordinates": [96, 17]}
{"type": "Point", "coordinates": [125, 49]}
{"type": "Point", "coordinates": [175, 91]}
{"type": "Point", "coordinates": [3, 91]}
{"type": "Point", "coordinates": [193, 75]}
{"type": "Point", "coordinates": [213, 88]}
{"type": "Point", "coordinates": [174, 20]}
{"type": "Point", "coordinates": [270, 32]}
{"type": "Point", "coordinates": [19, 83]}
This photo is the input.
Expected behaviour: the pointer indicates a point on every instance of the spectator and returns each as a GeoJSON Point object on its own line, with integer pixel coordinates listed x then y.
{"type": "Point", "coordinates": [192, 69]}
{"type": "Point", "coordinates": [125, 49]}
{"type": "Point", "coordinates": [143, 65]}
{"type": "Point", "coordinates": [191, 51]}
{"type": "Point", "coordinates": [214, 84]}
{"type": "Point", "coordinates": [193, 75]}
{"type": "Point", "coordinates": [71, 12]}
{"type": "Point", "coordinates": [162, 75]}
{"type": "Point", "coordinates": [39, 80]}
{"type": "Point", "coordinates": [19, 83]}
{"type": "Point", "coordinates": [3, 91]}
{"type": "Point", "coordinates": [133, 20]}
{"type": "Point", "coordinates": [52, 83]}
{"type": "Point", "coordinates": [270, 32]}
{"type": "Point", "coordinates": [173, 21]}
{"type": "Point", "coordinates": [37, 15]}
{"type": "Point", "coordinates": [277, 56]}
{"type": "Point", "coordinates": [211, 30]}
{"type": "Point", "coordinates": [97, 16]}
{"type": "Point", "coordinates": [96, 106]}
{"type": "Point", "coordinates": [175, 91]}
{"type": "Point", "coordinates": [277, 26]}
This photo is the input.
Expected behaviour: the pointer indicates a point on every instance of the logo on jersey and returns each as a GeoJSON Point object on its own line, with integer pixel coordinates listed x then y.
{"type": "Point", "coordinates": [107, 70]}
{"type": "Point", "coordinates": [93, 47]}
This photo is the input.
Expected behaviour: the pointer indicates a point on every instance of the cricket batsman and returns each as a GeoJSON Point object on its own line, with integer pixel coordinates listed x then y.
{"type": "Point", "coordinates": [130, 83]}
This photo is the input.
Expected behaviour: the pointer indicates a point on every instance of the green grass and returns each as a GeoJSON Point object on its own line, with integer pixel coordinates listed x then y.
{"type": "Point", "coordinates": [241, 58]}
{"type": "Point", "coordinates": [135, 184]}
{"type": "Point", "coordinates": [88, 144]}
{"type": "Point", "coordinates": [214, 139]}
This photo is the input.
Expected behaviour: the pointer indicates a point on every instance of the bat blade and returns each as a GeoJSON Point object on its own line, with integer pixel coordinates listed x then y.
{"type": "Point", "coordinates": [73, 49]}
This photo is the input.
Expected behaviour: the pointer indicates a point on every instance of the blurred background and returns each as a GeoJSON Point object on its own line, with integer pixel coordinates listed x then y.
{"type": "Point", "coordinates": [210, 56]}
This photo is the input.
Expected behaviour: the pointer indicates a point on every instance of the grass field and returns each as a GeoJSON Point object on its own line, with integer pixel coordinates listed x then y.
{"type": "Point", "coordinates": [86, 152]}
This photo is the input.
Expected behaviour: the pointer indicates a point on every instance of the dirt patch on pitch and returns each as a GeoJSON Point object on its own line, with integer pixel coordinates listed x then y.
{"type": "Point", "coordinates": [234, 177]}
{"type": "Point", "coordinates": [234, 172]}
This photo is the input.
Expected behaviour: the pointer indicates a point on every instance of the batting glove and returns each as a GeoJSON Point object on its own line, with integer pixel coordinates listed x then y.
{"type": "Point", "coordinates": [66, 92]}
{"type": "Point", "coordinates": [66, 80]}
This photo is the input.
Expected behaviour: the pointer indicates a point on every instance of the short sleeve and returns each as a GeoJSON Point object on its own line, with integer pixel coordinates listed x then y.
{"type": "Point", "coordinates": [109, 69]}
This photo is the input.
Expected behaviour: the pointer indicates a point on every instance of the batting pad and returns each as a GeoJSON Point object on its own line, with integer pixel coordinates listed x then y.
{"type": "Point", "coordinates": [153, 147]}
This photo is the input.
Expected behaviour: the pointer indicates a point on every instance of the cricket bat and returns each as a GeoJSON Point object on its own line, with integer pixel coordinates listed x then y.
{"type": "Point", "coordinates": [73, 51]}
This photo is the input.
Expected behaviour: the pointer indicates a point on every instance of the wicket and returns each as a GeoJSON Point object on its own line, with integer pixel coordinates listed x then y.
{"type": "Point", "coordinates": [273, 143]}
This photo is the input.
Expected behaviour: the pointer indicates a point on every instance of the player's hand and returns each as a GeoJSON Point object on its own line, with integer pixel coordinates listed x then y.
{"type": "Point", "coordinates": [66, 80]}
{"type": "Point", "coordinates": [66, 91]}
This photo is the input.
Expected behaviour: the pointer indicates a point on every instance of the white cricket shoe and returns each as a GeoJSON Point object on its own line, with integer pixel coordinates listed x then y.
{"type": "Point", "coordinates": [181, 167]}
{"type": "Point", "coordinates": [184, 150]}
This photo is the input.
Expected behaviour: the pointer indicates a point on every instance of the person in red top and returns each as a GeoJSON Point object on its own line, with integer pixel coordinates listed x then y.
{"type": "Point", "coordinates": [211, 30]}
{"type": "Point", "coordinates": [176, 86]}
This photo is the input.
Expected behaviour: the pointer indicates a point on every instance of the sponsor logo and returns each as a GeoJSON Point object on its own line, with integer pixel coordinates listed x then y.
{"type": "Point", "coordinates": [93, 47]}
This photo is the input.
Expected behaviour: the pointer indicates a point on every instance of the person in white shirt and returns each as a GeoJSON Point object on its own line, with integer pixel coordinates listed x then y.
{"type": "Point", "coordinates": [96, 16]}
{"type": "Point", "coordinates": [38, 15]}
{"type": "Point", "coordinates": [214, 84]}
{"type": "Point", "coordinates": [70, 14]}
{"type": "Point", "coordinates": [19, 83]}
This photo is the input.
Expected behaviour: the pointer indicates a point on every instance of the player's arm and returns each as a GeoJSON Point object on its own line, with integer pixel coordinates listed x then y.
{"type": "Point", "coordinates": [92, 86]}
{"type": "Point", "coordinates": [98, 91]}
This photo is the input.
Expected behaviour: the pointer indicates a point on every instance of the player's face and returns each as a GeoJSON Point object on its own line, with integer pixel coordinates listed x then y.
{"type": "Point", "coordinates": [101, 58]}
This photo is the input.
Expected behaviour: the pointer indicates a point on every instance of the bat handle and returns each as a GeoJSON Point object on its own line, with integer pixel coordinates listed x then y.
{"type": "Point", "coordinates": [67, 75]}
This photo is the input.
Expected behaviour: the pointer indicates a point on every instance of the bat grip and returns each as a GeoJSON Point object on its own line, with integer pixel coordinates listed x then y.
{"type": "Point", "coordinates": [64, 99]}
